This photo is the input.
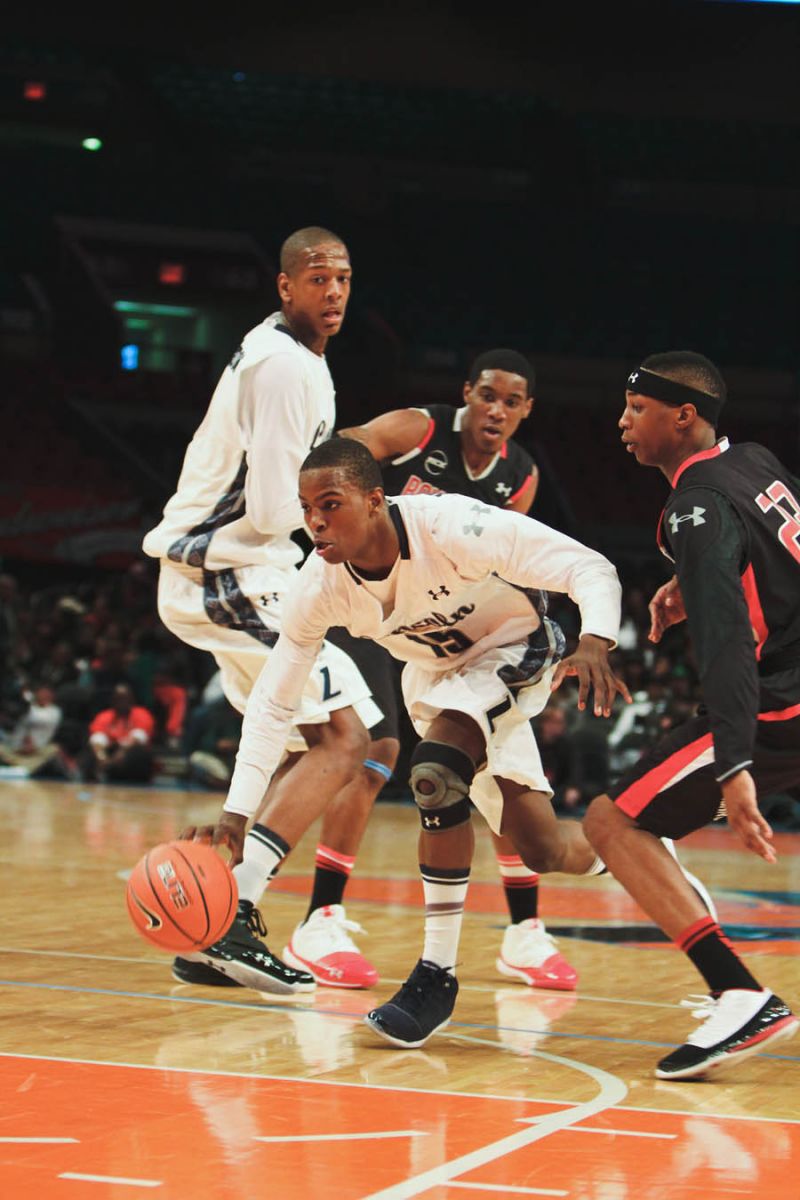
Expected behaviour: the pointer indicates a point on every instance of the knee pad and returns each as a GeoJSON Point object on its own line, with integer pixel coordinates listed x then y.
{"type": "Point", "coordinates": [440, 780]}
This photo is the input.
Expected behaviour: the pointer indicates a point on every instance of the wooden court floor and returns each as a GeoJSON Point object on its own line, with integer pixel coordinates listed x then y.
{"type": "Point", "coordinates": [116, 1081]}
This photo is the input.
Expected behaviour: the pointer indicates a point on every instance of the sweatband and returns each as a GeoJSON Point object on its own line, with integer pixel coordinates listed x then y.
{"type": "Point", "coordinates": [669, 391]}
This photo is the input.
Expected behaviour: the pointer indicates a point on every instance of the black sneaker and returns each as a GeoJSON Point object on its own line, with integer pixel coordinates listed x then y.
{"type": "Point", "coordinates": [423, 1006]}
{"type": "Point", "coordinates": [239, 957]}
{"type": "Point", "coordinates": [186, 971]}
{"type": "Point", "coordinates": [736, 1024]}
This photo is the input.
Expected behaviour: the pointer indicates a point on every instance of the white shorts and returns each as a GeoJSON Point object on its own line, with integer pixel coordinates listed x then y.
{"type": "Point", "coordinates": [236, 616]}
{"type": "Point", "coordinates": [503, 714]}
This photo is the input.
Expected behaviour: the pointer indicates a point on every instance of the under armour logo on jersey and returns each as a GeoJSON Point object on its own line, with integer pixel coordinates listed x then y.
{"type": "Point", "coordinates": [269, 598]}
{"type": "Point", "coordinates": [695, 516]}
{"type": "Point", "coordinates": [475, 527]}
{"type": "Point", "coordinates": [503, 489]}
{"type": "Point", "coordinates": [434, 595]}
{"type": "Point", "coordinates": [431, 822]}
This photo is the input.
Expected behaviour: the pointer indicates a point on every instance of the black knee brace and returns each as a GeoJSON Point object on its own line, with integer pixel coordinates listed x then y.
{"type": "Point", "coordinates": [440, 780]}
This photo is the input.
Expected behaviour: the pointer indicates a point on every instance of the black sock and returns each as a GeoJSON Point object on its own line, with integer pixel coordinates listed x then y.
{"type": "Point", "coordinates": [713, 955]}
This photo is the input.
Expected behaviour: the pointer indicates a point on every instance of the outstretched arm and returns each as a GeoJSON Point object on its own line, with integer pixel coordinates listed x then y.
{"type": "Point", "coordinates": [392, 434]}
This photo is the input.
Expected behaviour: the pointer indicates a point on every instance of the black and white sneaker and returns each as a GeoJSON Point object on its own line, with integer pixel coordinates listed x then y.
{"type": "Point", "coordinates": [186, 971]}
{"type": "Point", "coordinates": [240, 958]}
{"type": "Point", "coordinates": [421, 1008]}
{"type": "Point", "coordinates": [736, 1024]}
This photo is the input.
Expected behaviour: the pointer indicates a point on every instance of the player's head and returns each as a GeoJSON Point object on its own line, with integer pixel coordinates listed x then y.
{"type": "Point", "coordinates": [341, 494]}
{"type": "Point", "coordinates": [672, 406]}
{"type": "Point", "coordinates": [122, 698]}
{"type": "Point", "coordinates": [314, 283]}
{"type": "Point", "coordinates": [498, 394]}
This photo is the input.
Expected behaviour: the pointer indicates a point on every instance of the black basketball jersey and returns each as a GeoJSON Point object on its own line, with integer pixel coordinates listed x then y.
{"type": "Point", "coordinates": [437, 465]}
{"type": "Point", "coordinates": [732, 527]}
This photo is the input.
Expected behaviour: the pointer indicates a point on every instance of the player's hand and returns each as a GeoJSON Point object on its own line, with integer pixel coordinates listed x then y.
{"type": "Point", "coordinates": [666, 608]}
{"type": "Point", "coordinates": [590, 664]}
{"type": "Point", "coordinates": [229, 831]}
{"type": "Point", "coordinates": [744, 817]}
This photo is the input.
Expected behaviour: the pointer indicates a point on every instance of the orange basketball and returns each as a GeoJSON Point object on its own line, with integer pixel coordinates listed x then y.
{"type": "Point", "coordinates": [182, 896]}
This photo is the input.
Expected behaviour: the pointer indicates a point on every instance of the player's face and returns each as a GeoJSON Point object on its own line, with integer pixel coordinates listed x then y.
{"type": "Point", "coordinates": [315, 295]}
{"type": "Point", "coordinates": [496, 403]}
{"type": "Point", "coordinates": [338, 515]}
{"type": "Point", "coordinates": [648, 429]}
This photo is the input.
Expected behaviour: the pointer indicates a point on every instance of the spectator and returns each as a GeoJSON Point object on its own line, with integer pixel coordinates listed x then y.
{"type": "Point", "coordinates": [32, 743]}
{"type": "Point", "coordinates": [119, 747]}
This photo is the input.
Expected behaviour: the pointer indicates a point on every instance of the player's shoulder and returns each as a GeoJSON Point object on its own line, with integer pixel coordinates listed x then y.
{"type": "Point", "coordinates": [517, 456]}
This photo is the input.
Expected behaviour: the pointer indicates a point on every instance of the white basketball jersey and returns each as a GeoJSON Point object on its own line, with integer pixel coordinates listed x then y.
{"type": "Point", "coordinates": [236, 502]}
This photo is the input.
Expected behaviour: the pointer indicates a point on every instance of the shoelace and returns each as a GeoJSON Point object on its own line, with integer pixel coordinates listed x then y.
{"type": "Point", "coordinates": [412, 995]}
{"type": "Point", "coordinates": [255, 922]}
{"type": "Point", "coordinates": [339, 928]}
{"type": "Point", "coordinates": [705, 1009]}
{"type": "Point", "coordinates": [532, 954]}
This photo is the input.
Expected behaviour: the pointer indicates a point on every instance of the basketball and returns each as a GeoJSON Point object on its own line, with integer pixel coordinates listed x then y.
{"type": "Point", "coordinates": [182, 896]}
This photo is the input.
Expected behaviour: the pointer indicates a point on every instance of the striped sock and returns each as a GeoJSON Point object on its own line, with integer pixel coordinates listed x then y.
{"type": "Point", "coordinates": [714, 956]}
{"type": "Point", "coordinates": [521, 886]}
{"type": "Point", "coordinates": [445, 892]}
{"type": "Point", "coordinates": [264, 851]}
{"type": "Point", "coordinates": [331, 873]}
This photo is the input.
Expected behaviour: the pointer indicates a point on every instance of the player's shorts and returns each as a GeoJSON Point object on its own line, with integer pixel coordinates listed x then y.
{"type": "Point", "coordinates": [673, 790]}
{"type": "Point", "coordinates": [236, 616]}
{"type": "Point", "coordinates": [504, 714]}
{"type": "Point", "coordinates": [381, 673]}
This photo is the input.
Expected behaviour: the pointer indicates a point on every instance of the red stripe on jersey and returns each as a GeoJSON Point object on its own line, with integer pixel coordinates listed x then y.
{"type": "Point", "coordinates": [783, 714]}
{"type": "Point", "coordinates": [519, 490]}
{"type": "Point", "coordinates": [754, 609]}
{"type": "Point", "coordinates": [639, 794]}
{"type": "Point", "coordinates": [714, 452]}
{"type": "Point", "coordinates": [428, 434]}
{"type": "Point", "coordinates": [504, 450]}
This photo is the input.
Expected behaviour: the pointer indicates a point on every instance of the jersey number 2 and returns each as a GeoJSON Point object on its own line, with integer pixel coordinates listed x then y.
{"type": "Point", "coordinates": [778, 496]}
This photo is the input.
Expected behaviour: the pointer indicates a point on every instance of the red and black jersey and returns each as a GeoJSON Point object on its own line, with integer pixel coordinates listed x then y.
{"type": "Point", "coordinates": [732, 527]}
{"type": "Point", "coordinates": [437, 464]}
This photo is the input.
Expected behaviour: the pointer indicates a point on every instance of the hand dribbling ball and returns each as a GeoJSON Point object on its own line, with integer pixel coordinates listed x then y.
{"type": "Point", "coordinates": [182, 896]}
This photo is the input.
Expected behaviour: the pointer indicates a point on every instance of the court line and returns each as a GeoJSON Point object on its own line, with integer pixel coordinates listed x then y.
{"type": "Point", "coordinates": [382, 1087]}
{"type": "Point", "coordinates": [121, 1179]}
{"type": "Point", "coordinates": [49, 1141]}
{"type": "Point", "coordinates": [345, 1137]}
{"type": "Point", "coordinates": [618, 1132]}
{"type": "Point", "coordinates": [612, 1090]}
{"type": "Point", "coordinates": [506, 1189]}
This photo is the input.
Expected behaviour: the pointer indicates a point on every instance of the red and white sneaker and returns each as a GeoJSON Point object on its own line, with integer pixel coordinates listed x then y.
{"type": "Point", "coordinates": [322, 946]}
{"type": "Point", "coordinates": [529, 953]}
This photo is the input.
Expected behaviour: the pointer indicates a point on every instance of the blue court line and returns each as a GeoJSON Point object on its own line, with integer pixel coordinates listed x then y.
{"type": "Point", "coordinates": [292, 1007]}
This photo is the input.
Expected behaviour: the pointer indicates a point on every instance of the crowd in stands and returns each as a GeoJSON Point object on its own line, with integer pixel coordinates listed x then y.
{"type": "Point", "coordinates": [93, 688]}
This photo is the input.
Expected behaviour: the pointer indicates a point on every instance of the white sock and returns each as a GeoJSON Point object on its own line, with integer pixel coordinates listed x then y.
{"type": "Point", "coordinates": [445, 893]}
{"type": "Point", "coordinates": [264, 851]}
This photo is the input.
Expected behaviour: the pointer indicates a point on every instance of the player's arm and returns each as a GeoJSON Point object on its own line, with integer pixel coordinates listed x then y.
{"type": "Point", "coordinates": [525, 497]}
{"type": "Point", "coordinates": [273, 418]}
{"type": "Point", "coordinates": [710, 554]}
{"type": "Point", "coordinates": [530, 554]}
{"type": "Point", "coordinates": [392, 434]}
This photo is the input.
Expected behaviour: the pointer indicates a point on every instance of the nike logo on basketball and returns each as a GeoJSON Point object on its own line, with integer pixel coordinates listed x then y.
{"type": "Point", "coordinates": [695, 516]}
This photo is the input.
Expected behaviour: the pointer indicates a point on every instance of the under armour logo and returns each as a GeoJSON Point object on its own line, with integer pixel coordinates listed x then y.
{"type": "Point", "coordinates": [269, 598]}
{"type": "Point", "coordinates": [695, 516]}
{"type": "Point", "coordinates": [634, 375]}
{"type": "Point", "coordinates": [431, 822]}
{"type": "Point", "coordinates": [475, 527]}
{"type": "Point", "coordinates": [503, 489]}
{"type": "Point", "coordinates": [434, 595]}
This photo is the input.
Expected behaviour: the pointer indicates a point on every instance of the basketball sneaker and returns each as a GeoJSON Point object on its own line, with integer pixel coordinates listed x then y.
{"type": "Point", "coordinates": [421, 1008]}
{"type": "Point", "coordinates": [242, 958]}
{"type": "Point", "coordinates": [697, 885]}
{"type": "Point", "coordinates": [322, 946]}
{"type": "Point", "coordinates": [529, 953]}
{"type": "Point", "coordinates": [736, 1024]}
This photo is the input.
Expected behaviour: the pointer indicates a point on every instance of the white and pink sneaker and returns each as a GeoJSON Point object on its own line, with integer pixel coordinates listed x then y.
{"type": "Point", "coordinates": [529, 953]}
{"type": "Point", "coordinates": [322, 946]}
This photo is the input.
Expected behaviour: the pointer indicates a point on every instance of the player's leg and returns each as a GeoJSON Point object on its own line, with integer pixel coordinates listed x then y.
{"type": "Point", "coordinates": [625, 827]}
{"type": "Point", "coordinates": [442, 769]}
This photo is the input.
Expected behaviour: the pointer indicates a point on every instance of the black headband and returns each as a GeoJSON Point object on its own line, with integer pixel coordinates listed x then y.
{"type": "Point", "coordinates": [669, 391]}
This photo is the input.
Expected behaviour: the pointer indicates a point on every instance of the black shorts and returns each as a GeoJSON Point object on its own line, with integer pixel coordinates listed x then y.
{"type": "Point", "coordinates": [672, 790]}
{"type": "Point", "coordinates": [381, 673]}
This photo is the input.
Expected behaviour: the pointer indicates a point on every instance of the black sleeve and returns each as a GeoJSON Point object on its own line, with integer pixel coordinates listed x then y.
{"type": "Point", "coordinates": [709, 543]}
